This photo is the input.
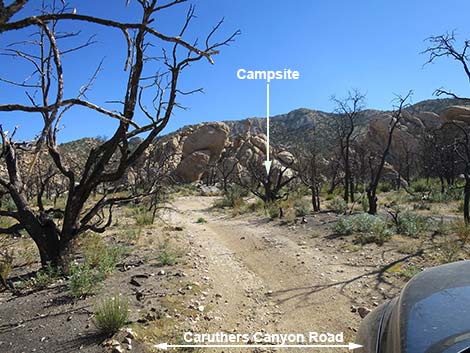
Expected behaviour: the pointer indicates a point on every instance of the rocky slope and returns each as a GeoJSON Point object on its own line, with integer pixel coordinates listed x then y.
{"type": "Point", "coordinates": [193, 148]}
{"type": "Point", "coordinates": [244, 140]}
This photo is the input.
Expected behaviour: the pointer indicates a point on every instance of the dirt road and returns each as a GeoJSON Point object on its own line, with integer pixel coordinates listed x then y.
{"type": "Point", "coordinates": [273, 278]}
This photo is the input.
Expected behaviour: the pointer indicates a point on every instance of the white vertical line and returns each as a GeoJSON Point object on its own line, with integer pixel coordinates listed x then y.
{"type": "Point", "coordinates": [267, 121]}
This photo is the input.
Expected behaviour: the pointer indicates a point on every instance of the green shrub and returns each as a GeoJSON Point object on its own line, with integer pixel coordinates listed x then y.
{"type": "Point", "coordinates": [338, 205]}
{"type": "Point", "coordinates": [201, 220]}
{"type": "Point", "coordinates": [379, 234]}
{"type": "Point", "coordinates": [421, 186]}
{"type": "Point", "coordinates": [111, 314]}
{"type": "Point", "coordinates": [365, 222]}
{"type": "Point", "coordinates": [132, 234]}
{"type": "Point", "coordinates": [385, 186]}
{"type": "Point", "coordinates": [272, 209]}
{"type": "Point", "coordinates": [344, 226]}
{"type": "Point", "coordinates": [232, 198]}
{"type": "Point", "coordinates": [254, 206]}
{"type": "Point", "coordinates": [441, 197]}
{"type": "Point", "coordinates": [6, 265]}
{"type": "Point", "coordinates": [140, 213]}
{"type": "Point", "coordinates": [329, 197]}
{"type": "Point", "coordinates": [302, 207]}
{"type": "Point", "coordinates": [84, 280]}
{"type": "Point", "coordinates": [454, 194]}
{"type": "Point", "coordinates": [368, 228]}
{"type": "Point", "coordinates": [45, 276]}
{"type": "Point", "coordinates": [365, 203]}
{"type": "Point", "coordinates": [144, 219]}
{"type": "Point", "coordinates": [411, 224]}
{"type": "Point", "coordinates": [98, 254]}
{"type": "Point", "coordinates": [100, 260]}
{"type": "Point", "coordinates": [167, 256]}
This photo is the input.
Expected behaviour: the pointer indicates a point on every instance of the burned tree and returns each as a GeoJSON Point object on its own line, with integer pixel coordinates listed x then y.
{"type": "Point", "coordinates": [310, 165]}
{"type": "Point", "coordinates": [227, 169]}
{"type": "Point", "coordinates": [458, 138]}
{"type": "Point", "coordinates": [268, 187]}
{"type": "Point", "coordinates": [445, 46]}
{"type": "Point", "coordinates": [377, 161]}
{"type": "Point", "coordinates": [438, 157]}
{"type": "Point", "coordinates": [154, 62]}
{"type": "Point", "coordinates": [344, 127]}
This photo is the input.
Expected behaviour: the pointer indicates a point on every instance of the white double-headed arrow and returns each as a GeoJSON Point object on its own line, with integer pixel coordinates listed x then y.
{"type": "Point", "coordinates": [165, 346]}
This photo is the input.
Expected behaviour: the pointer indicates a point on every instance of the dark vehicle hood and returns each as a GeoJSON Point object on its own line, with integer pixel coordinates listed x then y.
{"type": "Point", "coordinates": [432, 314]}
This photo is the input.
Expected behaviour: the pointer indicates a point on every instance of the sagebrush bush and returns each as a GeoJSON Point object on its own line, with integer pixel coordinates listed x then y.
{"type": "Point", "coordinates": [112, 314]}
{"type": "Point", "coordinates": [302, 207]}
{"type": "Point", "coordinates": [421, 185]}
{"type": "Point", "coordinates": [254, 206]}
{"type": "Point", "coordinates": [412, 224]}
{"type": "Point", "coordinates": [272, 209]}
{"type": "Point", "coordinates": [366, 227]}
{"type": "Point", "coordinates": [378, 234]}
{"type": "Point", "coordinates": [232, 198]}
{"type": "Point", "coordinates": [338, 205]}
{"type": "Point", "coordinates": [449, 195]}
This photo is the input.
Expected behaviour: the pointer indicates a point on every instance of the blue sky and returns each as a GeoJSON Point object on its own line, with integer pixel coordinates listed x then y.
{"type": "Point", "coordinates": [336, 45]}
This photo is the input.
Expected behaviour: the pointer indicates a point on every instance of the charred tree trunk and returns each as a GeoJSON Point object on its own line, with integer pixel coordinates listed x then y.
{"type": "Point", "coordinates": [351, 189]}
{"type": "Point", "coordinates": [45, 235]}
{"type": "Point", "coordinates": [315, 199]}
{"type": "Point", "coordinates": [347, 177]}
{"type": "Point", "coordinates": [333, 184]}
{"type": "Point", "coordinates": [466, 200]}
{"type": "Point", "coordinates": [372, 199]}
{"type": "Point", "coordinates": [372, 189]}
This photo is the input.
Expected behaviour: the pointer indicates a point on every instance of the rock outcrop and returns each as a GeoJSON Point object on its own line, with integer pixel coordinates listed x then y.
{"type": "Point", "coordinates": [242, 144]}
{"type": "Point", "coordinates": [456, 112]}
{"type": "Point", "coordinates": [192, 149]}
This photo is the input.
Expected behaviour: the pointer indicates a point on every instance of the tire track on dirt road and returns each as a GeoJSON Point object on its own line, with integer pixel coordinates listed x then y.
{"type": "Point", "coordinates": [265, 278]}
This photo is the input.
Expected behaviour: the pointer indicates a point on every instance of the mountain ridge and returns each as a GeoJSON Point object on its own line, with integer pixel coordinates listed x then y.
{"type": "Point", "coordinates": [300, 122]}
